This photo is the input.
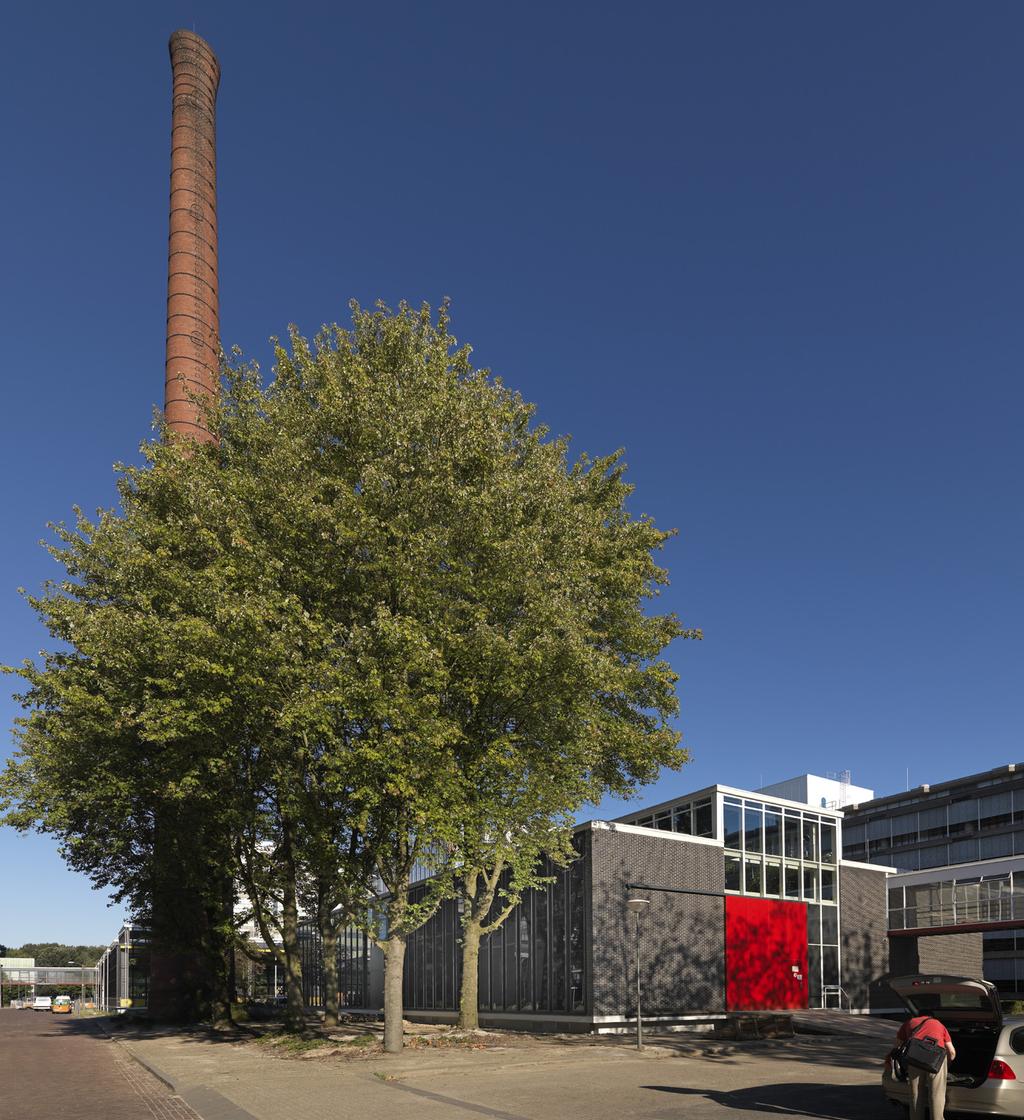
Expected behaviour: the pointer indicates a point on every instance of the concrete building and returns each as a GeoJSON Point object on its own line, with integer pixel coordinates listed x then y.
{"type": "Point", "coordinates": [828, 793]}
{"type": "Point", "coordinates": [957, 901]}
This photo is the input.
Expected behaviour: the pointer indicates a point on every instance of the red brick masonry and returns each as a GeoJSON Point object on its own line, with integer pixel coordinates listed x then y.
{"type": "Point", "coordinates": [193, 312]}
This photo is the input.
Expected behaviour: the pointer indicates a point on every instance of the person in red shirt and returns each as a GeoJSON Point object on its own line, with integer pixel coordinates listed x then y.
{"type": "Point", "coordinates": [927, 1087]}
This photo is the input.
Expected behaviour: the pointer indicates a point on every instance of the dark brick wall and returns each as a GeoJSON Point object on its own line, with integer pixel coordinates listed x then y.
{"type": "Point", "coordinates": [957, 954]}
{"type": "Point", "coordinates": [683, 957]}
{"type": "Point", "coordinates": [863, 925]}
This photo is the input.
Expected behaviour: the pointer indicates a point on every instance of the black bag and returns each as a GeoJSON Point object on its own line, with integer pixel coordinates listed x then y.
{"type": "Point", "coordinates": [923, 1053]}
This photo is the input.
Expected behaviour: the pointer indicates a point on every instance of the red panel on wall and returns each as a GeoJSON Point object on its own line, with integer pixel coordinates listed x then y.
{"type": "Point", "coordinates": [765, 954]}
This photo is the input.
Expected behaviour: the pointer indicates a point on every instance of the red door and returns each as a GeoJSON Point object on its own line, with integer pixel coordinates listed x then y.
{"type": "Point", "coordinates": [765, 954]}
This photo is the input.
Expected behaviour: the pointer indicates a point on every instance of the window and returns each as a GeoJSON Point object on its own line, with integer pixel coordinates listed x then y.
{"type": "Point", "coordinates": [753, 821]}
{"type": "Point", "coordinates": [773, 832]}
{"type": "Point", "coordinates": [772, 879]}
{"type": "Point", "coordinates": [904, 830]}
{"type": "Point", "coordinates": [932, 822]}
{"type": "Point", "coordinates": [810, 882]}
{"type": "Point", "coordinates": [811, 839]}
{"type": "Point", "coordinates": [703, 819]}
{"type": "Point", "coordinates": [828, 842]}
{"type": "Point", "coordinates": [792, 880]}
{"type": "Point", "coordinates": [733, 825]}
{"type": "Point", "coordinates": [792, 831]}
{"type": "Point", "coordinates": [682, 819]}
{"type": "Point", "coordinates": [829, 925]}
{"type": "Point", "coordinates": [963, 851]}
{"type": "Point", "coordinates": [996, 810]}
{"type": "Point", "coordinates": [991, 846]}
{"type": "Point", "coordinates": [752, 876]}
{"type": "Point", "coordinates": [963, 816]}
{"type": "Point", "coordinates": [828, 884]}
{"type": "Point", "coordinates": [732, 873]}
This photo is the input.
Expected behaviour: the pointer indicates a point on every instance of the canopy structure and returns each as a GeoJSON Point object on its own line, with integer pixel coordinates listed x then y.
{"type": "Point", "coordinates": [65, 974]}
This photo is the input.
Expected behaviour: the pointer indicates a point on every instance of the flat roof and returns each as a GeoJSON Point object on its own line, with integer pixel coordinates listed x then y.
{"type": "Point", "coordinates": [929, 790]}
{"type": "Point", "coordinates": [730, 791]}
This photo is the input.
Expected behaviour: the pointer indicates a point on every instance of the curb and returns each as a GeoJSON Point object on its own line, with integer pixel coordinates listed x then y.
{"type": "Point", "coordinates": [162, 1077]}
{"type": "Point", "coordinates": [205, 1102]}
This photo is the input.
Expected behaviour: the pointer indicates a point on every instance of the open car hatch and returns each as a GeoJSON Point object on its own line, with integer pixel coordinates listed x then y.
{"type": "Point", "coordinates": [950, 999]}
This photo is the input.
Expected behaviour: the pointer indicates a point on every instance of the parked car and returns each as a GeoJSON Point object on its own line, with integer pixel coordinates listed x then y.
{"type": "Point", "coordinates": [61, 1005]}
{"type": "Point", "coordinates": [987, 1076]}
{"type": "Point", "coordinates": [41, 1003]}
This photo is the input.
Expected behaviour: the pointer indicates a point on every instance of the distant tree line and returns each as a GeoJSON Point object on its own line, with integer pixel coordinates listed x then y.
{"type": "Point", "coordinates": [53, 954]}
{"type": "Point", "coordinates": [384, 623]}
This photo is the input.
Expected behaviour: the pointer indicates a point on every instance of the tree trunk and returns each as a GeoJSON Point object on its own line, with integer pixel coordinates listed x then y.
{"type": "Point", "coordinates": [394, 968]}
{"type": "Point", "coordinates": [295, 1013]}
{"type": "Point", "coordinates": [469, 1005]}
{"type": "Point", "coordinates": [329, 943]}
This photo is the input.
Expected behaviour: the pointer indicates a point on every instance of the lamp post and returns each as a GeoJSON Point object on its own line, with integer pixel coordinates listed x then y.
{"type": "Point", "coordinates": [81, 976]}
{"type": "Point", "coordinates": [638, 906]}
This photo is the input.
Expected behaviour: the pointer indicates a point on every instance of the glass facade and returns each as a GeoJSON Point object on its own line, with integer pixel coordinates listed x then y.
{"type": "Point", "coordinates": [967, 825]}
{"type": "Point", "coordinates": [353, 966]}
{"type": "Point", "coordinates": [965, 822]}
{"type": "Point", "coordinates": [779, 852]}
{"type": "Point", "coordinates": [783, 852]}
{"type": "Point", "coordinates": [123, 971]}
{"type": "Point", "coordinates": [535, 961]}
{"type": "Point", "coordinates": [951, 902]}
{"type": "Point", "coordinates": [694, 818]}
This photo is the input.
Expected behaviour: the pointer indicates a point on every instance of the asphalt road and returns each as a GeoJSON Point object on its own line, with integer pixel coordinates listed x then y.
{"type": "Point", "coordinates": [59, 1067]}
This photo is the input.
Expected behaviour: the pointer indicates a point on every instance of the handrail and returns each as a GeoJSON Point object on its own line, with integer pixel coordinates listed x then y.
{"type": "Point", "coordinates": [839, 991]}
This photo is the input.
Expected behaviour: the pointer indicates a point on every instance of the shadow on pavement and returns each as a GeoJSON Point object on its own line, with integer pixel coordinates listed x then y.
{"type": "Point", "coordinates": [128, 1029]}
{"type": "Point", "coordinates": [818, 1101]}
{"type": "Point", "coordinates": [846, 1051]}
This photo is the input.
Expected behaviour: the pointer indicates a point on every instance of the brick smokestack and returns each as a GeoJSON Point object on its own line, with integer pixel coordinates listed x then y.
{"type": "Point", "coordinates": [193, 308]}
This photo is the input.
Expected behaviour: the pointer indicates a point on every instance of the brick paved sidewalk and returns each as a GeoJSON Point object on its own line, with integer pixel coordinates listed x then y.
{"type": "Point", "coordinates": [54, 1066]}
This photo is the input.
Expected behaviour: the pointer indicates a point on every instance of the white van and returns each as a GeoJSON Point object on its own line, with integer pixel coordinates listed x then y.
{"type": "Point", "coordinates": [42, 1003]}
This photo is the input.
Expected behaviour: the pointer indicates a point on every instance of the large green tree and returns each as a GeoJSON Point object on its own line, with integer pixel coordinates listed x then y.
{"type": "Point", "coordinates": [384, 614]}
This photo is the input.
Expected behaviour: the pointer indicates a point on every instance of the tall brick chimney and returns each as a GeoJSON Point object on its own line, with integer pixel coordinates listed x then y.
{"type": "Point", "coordinates": [193, 309]}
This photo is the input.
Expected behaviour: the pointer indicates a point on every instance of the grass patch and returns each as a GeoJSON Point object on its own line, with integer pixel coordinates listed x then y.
{"type": "Point", "coordinates": [293, 1043]}
{"type": "Point", "coordinates": [359, 1040]}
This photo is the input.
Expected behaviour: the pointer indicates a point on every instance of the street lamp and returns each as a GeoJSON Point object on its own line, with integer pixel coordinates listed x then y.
{"type": "Point", "coordinates": [81, 976]}
{"type": "Point", "coordinates": [638, 906]}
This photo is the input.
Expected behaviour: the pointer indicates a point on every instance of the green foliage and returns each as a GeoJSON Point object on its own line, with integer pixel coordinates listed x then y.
{"type": "Point", "coordinates": [385, 621]}
{"type": "Point", "coordinates": [54, 954]}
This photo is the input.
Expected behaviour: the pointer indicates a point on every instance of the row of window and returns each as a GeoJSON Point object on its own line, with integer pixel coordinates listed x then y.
{"type": "Point", "coordinates": [939, 855]}
{"type": "Point", "coordinates": [755, 828]}
{"type": "Point", "coordinates": [353, 967]}
{"type": "Point", "coordinates": [534, 961]}
{"type": "Point", "coordinates": [958, 818]}
{"type": "Point", "coordinates": [957, 902]}
{"type": "Point", "coordinates": [773, 879]}
{"type": "Point", "coordinates": [694, 818]}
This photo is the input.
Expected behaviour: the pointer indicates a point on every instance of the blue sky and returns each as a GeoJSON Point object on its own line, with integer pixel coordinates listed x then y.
{"type": "Point", "coordinates": [772, 250]}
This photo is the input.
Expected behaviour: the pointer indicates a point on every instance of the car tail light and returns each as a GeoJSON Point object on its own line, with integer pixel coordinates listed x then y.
{"type": "Point", "coordinates": [1000, 1071]}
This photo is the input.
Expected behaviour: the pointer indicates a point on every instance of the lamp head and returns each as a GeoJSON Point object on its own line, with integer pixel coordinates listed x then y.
{"type": "Point", "coordinates": [637, 905]}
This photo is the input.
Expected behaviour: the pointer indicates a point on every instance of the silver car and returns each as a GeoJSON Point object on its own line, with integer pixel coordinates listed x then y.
{"type": "Point", "coordinates": [987, 1077]}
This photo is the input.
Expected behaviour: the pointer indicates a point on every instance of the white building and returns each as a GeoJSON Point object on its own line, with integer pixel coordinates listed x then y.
{"type": "Point", "coordinates": [822, 793]}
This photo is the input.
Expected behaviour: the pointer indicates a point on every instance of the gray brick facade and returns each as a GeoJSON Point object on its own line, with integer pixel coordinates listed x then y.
{"type": "Point", "coordinates": [863, 926]}
{"type": "Point", "coordinates": [683, 957]}
{"type": "Point", "coordinates": [956, 954]}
